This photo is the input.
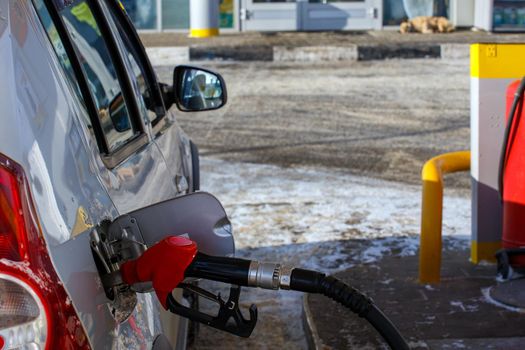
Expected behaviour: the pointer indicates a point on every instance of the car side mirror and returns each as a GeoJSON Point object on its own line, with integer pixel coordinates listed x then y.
{"type": "Point", "coordinates": [198, 89]}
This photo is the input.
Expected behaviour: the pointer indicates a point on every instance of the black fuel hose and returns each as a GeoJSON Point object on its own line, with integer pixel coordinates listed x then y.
{"type": "Point", "coordinates": [518, 99]}
{"type": "Point", "coordinates": [316, 282]}
{"type": "Point", "coordinates": [272, 276]}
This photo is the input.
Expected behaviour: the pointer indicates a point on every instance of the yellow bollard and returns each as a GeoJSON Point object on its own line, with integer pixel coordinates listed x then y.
{"type": "Point", "coordinates": [432, 211]}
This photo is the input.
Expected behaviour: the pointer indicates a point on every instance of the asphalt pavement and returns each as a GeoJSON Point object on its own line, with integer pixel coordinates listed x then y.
{"type": "Point", "coordinates": [382, 119]}
{"type": "Point", "coordinates": [457, 313]}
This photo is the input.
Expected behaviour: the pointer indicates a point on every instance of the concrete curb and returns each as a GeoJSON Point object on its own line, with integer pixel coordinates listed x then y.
{"type": "Point", "coordinates": [381, 52]}
{"type": "Point", "coordinates": [312, 336]}
{"type": "Point", "coordinates": [454, 51]}
{"type": "Point", "coordinates": [231, 53]}
{"type": "Point", "coordinates": [315, 53]}
{"type": "Point", "coordinates": [172, 55]}
{"type": "Point", "coordinates": [165, 56]}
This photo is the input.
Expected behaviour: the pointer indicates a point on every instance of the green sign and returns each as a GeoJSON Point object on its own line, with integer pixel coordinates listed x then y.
{"type": "Point", "coordinates": [226, 14]}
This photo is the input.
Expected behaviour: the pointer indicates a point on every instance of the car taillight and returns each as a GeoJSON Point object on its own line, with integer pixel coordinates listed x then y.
{"type": "Point", "coordinates": [35, 311]}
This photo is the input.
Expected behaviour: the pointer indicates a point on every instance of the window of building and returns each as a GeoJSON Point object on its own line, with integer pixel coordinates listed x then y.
{"type": "Point", "coordinates": [174, 14]}
{"type": "Point", "coordinates": [143, 13]}
{"type": "Point", "coordinates": [393, 12]}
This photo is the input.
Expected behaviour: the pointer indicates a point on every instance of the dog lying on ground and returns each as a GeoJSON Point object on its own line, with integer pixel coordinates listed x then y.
{"type": "Point", "coordinates": [427, 25]}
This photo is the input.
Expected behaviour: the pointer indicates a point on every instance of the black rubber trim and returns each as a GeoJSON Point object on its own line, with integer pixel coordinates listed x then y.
{"type": "Point", "coordinates": [306, 280]}
{"type": "Point", "coordinates": [195, 167]}
{"type": "Point", "coordinates": [116, 157]}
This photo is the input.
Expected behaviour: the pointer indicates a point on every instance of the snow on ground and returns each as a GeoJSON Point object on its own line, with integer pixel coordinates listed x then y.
{"type": "Point", "coordinates": [273, 206]}
{"type": "Point", "coordinates": [320, 219]}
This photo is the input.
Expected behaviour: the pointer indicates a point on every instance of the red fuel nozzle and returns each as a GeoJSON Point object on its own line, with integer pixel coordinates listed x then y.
{"type": "Point", "coordinates": [164, 264]}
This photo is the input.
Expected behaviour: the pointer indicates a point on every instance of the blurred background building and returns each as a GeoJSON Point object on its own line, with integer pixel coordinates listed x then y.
{"type": "Point", "coordinates": [157, 15]}
{"type": "Point", "coordinates": [291, 15]}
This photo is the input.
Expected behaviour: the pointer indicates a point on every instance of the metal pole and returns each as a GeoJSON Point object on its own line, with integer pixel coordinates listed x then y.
{"type": "Point", "coordinates": [159, 15]}
{"type": "Point", "coordinates": [204, 18]}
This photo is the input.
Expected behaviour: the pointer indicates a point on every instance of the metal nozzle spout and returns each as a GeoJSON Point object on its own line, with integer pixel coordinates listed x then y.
{"type": "Point", "coordinates": [269, 275]}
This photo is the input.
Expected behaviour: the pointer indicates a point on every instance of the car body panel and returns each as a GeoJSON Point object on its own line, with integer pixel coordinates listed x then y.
{"type": "Point", "coordinates": [43, 130]}
{"type": "Point", "coordinates": [175, 147]}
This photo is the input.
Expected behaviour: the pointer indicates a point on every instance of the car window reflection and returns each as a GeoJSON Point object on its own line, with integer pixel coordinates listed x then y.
{"type": "Point", "coordinates": [99, 70]}
{"type": "Point", "coordinates": [201, 90]}
{"type": "Point", "coordinates": [137, 72]}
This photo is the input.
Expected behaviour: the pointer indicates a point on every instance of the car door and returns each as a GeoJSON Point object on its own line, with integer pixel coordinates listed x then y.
{"type": "Point", "coordinates": [128, 163]}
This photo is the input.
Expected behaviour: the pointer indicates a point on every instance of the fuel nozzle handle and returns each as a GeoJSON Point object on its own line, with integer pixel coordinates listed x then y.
{"type": "Point", "coordinates": [163, 264]}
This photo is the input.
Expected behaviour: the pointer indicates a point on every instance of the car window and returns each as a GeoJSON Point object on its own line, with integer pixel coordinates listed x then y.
{"type": "Point", "coordinates": [60, 51]}
{"type": "Point", "coordinates": [99, 70]}
{"type": "Point", "coordinates": [137, 70]}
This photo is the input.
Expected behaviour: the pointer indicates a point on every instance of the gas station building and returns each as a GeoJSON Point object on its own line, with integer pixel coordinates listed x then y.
{"type": "Point", "coordinates": [297, 15]}
{"type": "Point", "coordinates": [305, 15]}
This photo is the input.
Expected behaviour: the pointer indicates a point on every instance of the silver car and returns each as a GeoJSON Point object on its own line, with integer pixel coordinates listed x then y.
{"type": "Point", "coordinates": [86, 135]}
